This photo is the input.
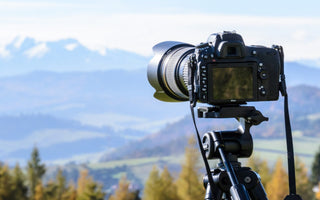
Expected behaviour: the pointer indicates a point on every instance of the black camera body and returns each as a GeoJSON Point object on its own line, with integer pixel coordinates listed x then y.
{"type": "Point", "coordinates": [228, 72]}
{"type": "Point", "coordinates": [225, 71]}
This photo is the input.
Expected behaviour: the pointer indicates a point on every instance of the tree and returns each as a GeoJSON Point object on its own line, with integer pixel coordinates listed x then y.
{"type": "Point", "coordinates": [70, 193]}
{"type": "Point", "coordinates": [277, 188]}
{"type": "Point", "coordinates": [61, 185]}
{"type": "Point", "coordinates": [304, 185]}
{"type": "Point", "coordinates": [35, 170]}
{"type": "Point", "coordinates": [82, 182]}
{"type": "Point", "coordinates": [5, 183]}
{"type": "Point", "coordinates": [88, 189]}
{"type": "Point", "coordinates": [39, 192]}
{"type": "Point", "coordinates": [189, 185]}
{"type": "Point", "coordinates": [167, 186]}
{"type": "Point", "coordinates": [123, 192]}
{"type": "Point", "coordinates": [51, 191]}
{"type": "Point", "coordinates": [261, 167]}
{"type": "Point", "coordinates": [152, 189]}
{"type": "Point", "coordinates": [19, 189]}
{"type": "Point", "coordinates": [315, 169]}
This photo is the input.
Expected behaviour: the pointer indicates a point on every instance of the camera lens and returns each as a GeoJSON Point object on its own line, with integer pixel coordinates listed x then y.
{"type": "Point", "coordinates": [168, 71]}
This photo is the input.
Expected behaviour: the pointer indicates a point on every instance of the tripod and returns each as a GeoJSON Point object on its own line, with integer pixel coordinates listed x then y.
{"type": "Point", "coordinates": [230, 180]}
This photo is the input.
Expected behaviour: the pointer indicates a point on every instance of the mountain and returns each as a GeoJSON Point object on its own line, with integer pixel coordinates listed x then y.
{"type": "Point", "coordinates": [57, 139]}
{"type": "Point", "coordinates": [171, 140]}
{"type": "Point", "coordinates": [118, 98]}
{"type": "Point", "coordinates": [63, 81]}
{"type": "Point", "coordinates": [27, 55]}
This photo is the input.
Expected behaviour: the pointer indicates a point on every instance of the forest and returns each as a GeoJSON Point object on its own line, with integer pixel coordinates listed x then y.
{"type": "Point", "coordinates": [27, 184]}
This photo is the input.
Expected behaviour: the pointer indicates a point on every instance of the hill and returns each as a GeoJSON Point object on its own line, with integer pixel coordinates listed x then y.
{"type": "Point", "coordinates": [58, 139]}
{"type": "Point", "coordinates": [63, 80]}
{"type": "Point", "coordinates": [171, 140]}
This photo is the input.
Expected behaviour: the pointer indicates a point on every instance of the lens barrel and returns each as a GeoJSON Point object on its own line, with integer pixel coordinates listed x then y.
{"type": "Point", "coordinates": [168, 71]}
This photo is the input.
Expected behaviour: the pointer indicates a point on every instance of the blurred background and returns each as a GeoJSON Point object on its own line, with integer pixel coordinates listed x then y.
{"type": "Point", "coordinates": [73, 81]}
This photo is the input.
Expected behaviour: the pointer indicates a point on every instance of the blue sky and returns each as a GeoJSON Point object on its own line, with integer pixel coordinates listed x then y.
{"type": "Point", "coordinates": [137, 25]}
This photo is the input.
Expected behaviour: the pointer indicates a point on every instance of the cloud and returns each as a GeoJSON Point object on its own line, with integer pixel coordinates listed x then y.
{"type": "Point", "coordinates": [37, 51]}
{"type": "Point", "coordinates": [4, 5]}
{"type": "Point", "coordinates": [139, 32]}
{"type": "Point", "coordinates": [71, 47]}
{"type": "Point", "coordinates": [4, 52]}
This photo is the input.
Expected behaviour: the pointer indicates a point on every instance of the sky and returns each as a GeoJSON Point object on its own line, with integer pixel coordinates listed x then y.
{"type": "Point", "coordinates": [138, 25]}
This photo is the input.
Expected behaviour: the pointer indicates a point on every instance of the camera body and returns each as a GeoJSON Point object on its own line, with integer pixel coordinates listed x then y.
{"type": "Point", "coordinates": [228, 72]}
{"type": "Point", "coordinates": [225, 71]}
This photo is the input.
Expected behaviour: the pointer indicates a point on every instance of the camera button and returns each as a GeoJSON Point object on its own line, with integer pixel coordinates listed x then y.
{"type": "Point", "coordinates": [263, 75]}
{"type": "Point", "coordinates": [204, 97]}
{"type": "Point", "coordinates": [263, 91]}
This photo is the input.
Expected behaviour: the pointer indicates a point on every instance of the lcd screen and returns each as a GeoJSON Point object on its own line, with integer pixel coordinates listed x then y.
{"type": "Point", "coordinates": [232, 83]}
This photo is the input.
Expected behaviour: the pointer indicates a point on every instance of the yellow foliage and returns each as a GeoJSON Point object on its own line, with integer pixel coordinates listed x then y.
{"type": "Point", "coordinates": [277, 188]}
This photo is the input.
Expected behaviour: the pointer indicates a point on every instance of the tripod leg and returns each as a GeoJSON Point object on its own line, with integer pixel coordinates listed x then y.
{"type": "Point", "coordinates": [217, 193]}
{"type": "Point", "coordinates": [237, 190]}
{"type": "Point", "coordinates": [258, 193]}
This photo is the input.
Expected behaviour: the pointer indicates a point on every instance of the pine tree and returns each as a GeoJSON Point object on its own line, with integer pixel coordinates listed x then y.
{"type": "Point", "coordinates": [70, 193]}
{"type": "Point", "coordinates": [93, 191]}
{"type": "Point", "coordinates": [35, 170]}
{"type": "Point", "coordinates": [51, 191]}
{"type": "Point", "coordinates": [304, 185]}
{"type": "Point", "coordinates": [39, 192]}
{"type": "Point", "coordinates": [5, 183]}
{"type": "Point", "coordinates": [20, 190]}
{"type": "Point", "coordinates": [168, 188]}
{"type": "Point", "coordinates": [82, 182]}
{"type": "Point", "coordinates": [189, 185]}
{"type": "Point", "coordinates": [152, 187]}
{"type": "Point", "coordinates": [315, 177]}
{"type": "Point", "coordinates": [88, 189]}
{"type": "Point", "coordinates": [123, 192]}
{"type": "Point", "coordinates": [61, 185]}
{"type": "Point", "coordinates": [277, 188]}
{"type": "Point", "coordinates": [261, 167]}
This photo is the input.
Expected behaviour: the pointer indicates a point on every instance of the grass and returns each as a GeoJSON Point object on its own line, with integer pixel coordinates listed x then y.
{"type": "Point", "coordinates": [132, 162]}
{"type": "Point", "coordinates": [269, 149]}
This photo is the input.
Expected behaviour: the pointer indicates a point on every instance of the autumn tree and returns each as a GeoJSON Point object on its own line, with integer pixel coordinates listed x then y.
{"type": "Point", "coordinates": [152, 187]}
{"type": "Point", "coordinates": [167, 186]}
{"type": "Point", "coordinates": [61, 185]}
{"type": "Point", "coordinates": [71, 193]}
{"type": "Point", "coordinates": [39, 192]}
{"type": "Point", "coordinates": [88, 189]}
{"type": "Point", "coordinates": [36, 170]}
{"type": "Point", "coordinates": [19, 188]}
{"type": "Point", "coordinates": [189, 186]}
{"type": "Point", "coordinates": [123, 192]}
{"type": "Point", "coordinates": [303, 183]}
{"type": "Point", "coordinates": [5, 183]}
{"type": "Point", "coordinates": [277, 188]}
{"type": "Point", "coordinates": [261, 167]}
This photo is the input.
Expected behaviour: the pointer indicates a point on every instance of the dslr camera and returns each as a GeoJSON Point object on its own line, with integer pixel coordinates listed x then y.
{"type": "Point", "coordinates": [224, 71]}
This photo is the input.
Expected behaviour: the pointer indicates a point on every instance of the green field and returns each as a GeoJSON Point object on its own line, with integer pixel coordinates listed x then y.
{"type": "Point", "coordinates": [271, 150]}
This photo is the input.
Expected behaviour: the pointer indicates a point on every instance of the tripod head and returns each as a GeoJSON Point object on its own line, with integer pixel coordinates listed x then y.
{"type": "Point", "coordinates": [229, 146]}
{"type": "Point", "coordinates": [236, 142]}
